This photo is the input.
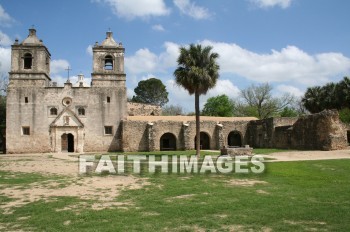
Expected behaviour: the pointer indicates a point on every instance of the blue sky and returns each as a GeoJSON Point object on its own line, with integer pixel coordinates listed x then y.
{"type": "Point", "coordinates": [292, 44]}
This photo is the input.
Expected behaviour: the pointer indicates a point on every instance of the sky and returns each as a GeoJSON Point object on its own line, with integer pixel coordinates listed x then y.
{"type": "Point", "coordinates": [291, 44]}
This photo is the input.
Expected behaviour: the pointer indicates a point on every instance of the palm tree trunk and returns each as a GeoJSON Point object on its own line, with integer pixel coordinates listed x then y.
{"type": "Point", "coordinates": [198, 130]}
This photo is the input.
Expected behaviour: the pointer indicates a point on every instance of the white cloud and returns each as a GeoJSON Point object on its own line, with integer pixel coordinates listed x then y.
{"type": "Point", "coordinates": [145, 61]}
{"type": "Point", "coordinates": [5, 19]}
{"type": "Point", "coordinates": [189, 8]}
{"type": "Point", "coordinates": [158, 27]}
{"type": "Point", "coordinates": [148, 76]}
{"type": "Point", "coordinates": [89, 50]}
{"type": "Point", "coordinates": [5, 60]}
{"type": "Point", "coordinates": [58, 66]}
{"type": "Point", "coordinates": [291, 64]}
{"type": "Point", "coordinates": [224, 87]}
{"type": "Point", "coordinates": [289, 89]}
{"type": "Point", "coordinates": [130, 93]}
{"type": "Point", "coordinates": [272, 3]}
{"type": "Point", "coordinates": [168, 58]}
{"type": "Point", "coordinates": [142, 61]}
{"type": "Point", "coordinates": [5, 39]}
{"type": "Point", "coordinates": [180, 96]}
{"type": "Point", "coordinates": [131, 9]}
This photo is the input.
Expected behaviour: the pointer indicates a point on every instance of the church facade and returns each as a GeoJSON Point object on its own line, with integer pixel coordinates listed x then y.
{"type": "Point", "coordinates": [43, 117]}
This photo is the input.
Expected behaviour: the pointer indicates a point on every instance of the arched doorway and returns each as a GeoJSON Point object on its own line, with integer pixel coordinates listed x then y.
{"type": "Point", "coordinates": [67, 143]}
{"type": "Point", "coordinates": [234, 139]}
{"type": "Point", "coordinates": [204, 141]}
{"type": "Point", "coordinates": [168, 142]}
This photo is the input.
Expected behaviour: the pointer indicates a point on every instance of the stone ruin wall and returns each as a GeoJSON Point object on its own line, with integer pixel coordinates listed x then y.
{"type": "Point", "coordinates": [269, 132]}
{"type": "Point", "coordinates": [322, 131]}
{"type": "Point", "coordinates": [140, 109]}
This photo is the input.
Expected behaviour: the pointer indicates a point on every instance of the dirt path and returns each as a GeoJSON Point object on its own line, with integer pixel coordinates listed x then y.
{"type": "Point", "coordinates": [308, 155]}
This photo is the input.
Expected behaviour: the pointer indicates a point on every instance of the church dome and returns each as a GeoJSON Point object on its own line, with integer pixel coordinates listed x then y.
{"type": "Point", "coordinates": [109, 41]}
{"type": "Point", "coordinates": [32, 38]}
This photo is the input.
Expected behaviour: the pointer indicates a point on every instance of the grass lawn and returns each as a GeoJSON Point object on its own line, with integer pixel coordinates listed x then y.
{"type": "Point", "coordinates": [289, 196]}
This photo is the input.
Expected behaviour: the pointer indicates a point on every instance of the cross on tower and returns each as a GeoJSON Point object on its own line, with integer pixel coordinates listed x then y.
{"type": "Point", "coordinates": [68, 69]}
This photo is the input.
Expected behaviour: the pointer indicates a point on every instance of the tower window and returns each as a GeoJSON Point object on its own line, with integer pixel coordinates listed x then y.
{"type": "Point", "coordinates": [25, 130]}
{"type": "Point", "coordinates": [81, 111]}
{"type": "Point", "coordinates": [28, 61]}
{"type": "Point", "coordinates": [108, 130]}
{"type": "Point", "coordinates": [26, 100]}
{"type": "Point", "coordinates": [108, 62]}
{"type": "Point", "coordinates": [108, 99]}
{"type": "Point", "coordinates": [53, 111]}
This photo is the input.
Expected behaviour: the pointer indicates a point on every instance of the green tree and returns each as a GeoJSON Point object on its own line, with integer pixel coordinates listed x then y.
{"type": "Point", "coordinates": [174, 110]}
{"type": "Point", "coordinates": [312, 99]}
{"type": "Point", "coordinates": [258, 98]}
{"type": "Point", "coordinates": [344, 115]}
{"type": "Point", "coordinates": [330, 96]}
{"type": "Point", "coordinates": [220, 106]}
{"type": "Point", "coordinates": [289, 112]}
{"type": "Point", "coordinates": [151, 91]}
{"type": "Point", "coordinates": [197, 72]}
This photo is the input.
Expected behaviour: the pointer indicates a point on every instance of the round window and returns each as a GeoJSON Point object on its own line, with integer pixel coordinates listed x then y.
{"type": "Point", "coordinates": [67, 101]}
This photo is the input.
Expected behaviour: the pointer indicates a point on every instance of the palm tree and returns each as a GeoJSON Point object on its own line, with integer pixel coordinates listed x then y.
{"type": "Point", "coordinates": [197, 72]}
{"type": "Point", "coordinates": [312, 99]}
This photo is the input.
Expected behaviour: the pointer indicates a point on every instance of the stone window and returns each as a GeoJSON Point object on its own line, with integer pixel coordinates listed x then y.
{"type": "Point", "coordinates": [26, 100]}
{"type": "Point", "coordinates": [108, 99]}
{"type": "Point", "coordinates": [108, 62]}
{"type": "Point", "coordinates": [25, 130]}
{"type": "Point", "coordinates": [28, 61]}
{"type": "Point", "coordinates": [108, 130]}
{"type": "Point", "coordinates": [53, 111]}
{"type": "Point", "coordinates": [81, 111]}
{"type": "Point", "coordinates": [66, 120]}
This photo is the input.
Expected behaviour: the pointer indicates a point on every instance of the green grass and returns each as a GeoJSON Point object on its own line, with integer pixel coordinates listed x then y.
{"type": "Point", "coordinates": [297, 196]}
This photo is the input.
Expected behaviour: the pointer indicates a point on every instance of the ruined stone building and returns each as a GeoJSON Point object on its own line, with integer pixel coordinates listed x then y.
{"type": "Point", "coordinates": [44, 117]}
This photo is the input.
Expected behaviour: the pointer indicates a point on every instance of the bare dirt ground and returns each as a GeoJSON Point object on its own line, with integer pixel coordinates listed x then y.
{"type": "Point", "coordinates": [103, 190]}
{"type": "Point", "coordinates": [308, 155]}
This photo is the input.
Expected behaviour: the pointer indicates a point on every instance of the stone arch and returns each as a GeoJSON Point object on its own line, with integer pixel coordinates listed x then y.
{"type": "Point", "coordinates": [234, 139]}
{"type": "Point", "coordinates": [67, 142]}
{"type": "Point", "coordinates": [108, 62]}
{"type": "Point", "coordinates": [204, 141]}
{"type": "Point", "coordinates": [168, 142]}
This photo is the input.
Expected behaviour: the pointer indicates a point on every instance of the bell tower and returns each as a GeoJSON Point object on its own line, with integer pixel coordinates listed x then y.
{"type": "Point", "coordinates": [108, 63]}
{"type": "Point", "coordinates": [30, 60]}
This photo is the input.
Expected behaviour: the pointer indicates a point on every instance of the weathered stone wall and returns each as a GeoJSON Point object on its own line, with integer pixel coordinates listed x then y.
{"type": "Point", "coordinates": [144, 134]}
{"type": "Point", "coordinates": [322, 131]}
{"type": "Point", "coordinates": [135, 136]}
{"type": "Point", "coordinates": [261, 133]}
{"type": "Point", "coordinates": [135, 109]}
{"type": "Point", "coordinates": [282, 137]}
{"type": "Point", "coordinates": [36, 115]}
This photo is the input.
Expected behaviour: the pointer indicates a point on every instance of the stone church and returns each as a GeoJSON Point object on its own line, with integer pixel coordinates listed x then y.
{"type": "Point", "coordinates": [43, 117]}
